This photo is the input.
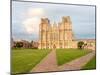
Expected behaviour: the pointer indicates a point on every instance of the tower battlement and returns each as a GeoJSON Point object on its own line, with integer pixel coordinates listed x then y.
{"type": "Point", "coordinates": [66, 19]}
{"type": "Point", "coordinates": [45, 20]}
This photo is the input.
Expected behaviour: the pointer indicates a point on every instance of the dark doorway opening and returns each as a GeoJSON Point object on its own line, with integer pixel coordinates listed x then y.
{"type": "Point", "coordinates": [54, 46]}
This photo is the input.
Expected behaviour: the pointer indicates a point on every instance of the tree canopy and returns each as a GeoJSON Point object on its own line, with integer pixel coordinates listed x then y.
{"type": "Point", "coordinates": [80, 44]}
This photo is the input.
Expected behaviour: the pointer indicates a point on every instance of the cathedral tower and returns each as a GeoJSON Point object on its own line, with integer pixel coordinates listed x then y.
{"type": "Point", "coordinates": [58, 36]}
{"type": "Point", "coordinates": [43, 29]}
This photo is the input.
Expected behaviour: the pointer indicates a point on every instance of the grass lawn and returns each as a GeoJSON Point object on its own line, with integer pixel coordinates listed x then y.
{"type": "Point", "coordinates": [23, 60]}
{"type": "Point", "coordinates": [66, 55]}
{"type": "Point", "coordinates": [91, 64]}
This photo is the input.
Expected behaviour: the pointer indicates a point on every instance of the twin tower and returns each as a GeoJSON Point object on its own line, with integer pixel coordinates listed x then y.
{"type": "Point", "coordinates": [56, 35]}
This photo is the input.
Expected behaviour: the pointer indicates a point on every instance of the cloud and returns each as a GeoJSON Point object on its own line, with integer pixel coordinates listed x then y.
{"type": "Point", "coordinates": [36, 12]}
{"type": "Point", "coordinates": [31, 23]}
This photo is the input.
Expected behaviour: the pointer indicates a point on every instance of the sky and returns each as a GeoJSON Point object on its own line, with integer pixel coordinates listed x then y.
{"type": "Point", "coordinates": [26, 18]}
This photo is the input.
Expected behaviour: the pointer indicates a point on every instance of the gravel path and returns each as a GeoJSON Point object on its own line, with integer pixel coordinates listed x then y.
{"type": "Point", "coordinates": [49, 63]}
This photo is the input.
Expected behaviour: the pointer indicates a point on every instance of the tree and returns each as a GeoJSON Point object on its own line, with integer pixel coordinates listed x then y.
{"type": "Point", "coordinates": [31, 44]}
{"type": "Point", "coordinates": [19, 44]}
{"type": "Point", "coordinates": [80, 44]}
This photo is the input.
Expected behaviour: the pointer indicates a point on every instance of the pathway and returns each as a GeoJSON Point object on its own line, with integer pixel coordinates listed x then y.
{"type": "Point", "coordinates": [78, 63]}
{"type": "Point", "coordinates": [49, 63]}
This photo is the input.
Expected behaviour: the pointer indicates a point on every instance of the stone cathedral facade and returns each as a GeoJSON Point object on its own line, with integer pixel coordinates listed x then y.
{"type": "Point", "coordinates": [58, 35]}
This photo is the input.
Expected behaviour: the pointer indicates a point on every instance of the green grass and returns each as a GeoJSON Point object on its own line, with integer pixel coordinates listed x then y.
{"type": "Point", "coordinates": [91, 64]}
{"type": "Point", "coordinates": [66, 55]}
{"type": "Point", "coordinates": [23, 60]}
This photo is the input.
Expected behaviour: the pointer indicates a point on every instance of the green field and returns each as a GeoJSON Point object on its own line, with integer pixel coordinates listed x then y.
{"type": "Point", "coordinates": [23, 60]}
{"type": "Point", "coordinates": [66, 55]}
{"type": "Point", "coordinates": [91, 64]}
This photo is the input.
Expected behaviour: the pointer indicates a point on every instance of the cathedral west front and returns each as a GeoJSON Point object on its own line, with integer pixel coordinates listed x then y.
{"type": "Point", "coordinates": [56, 35]}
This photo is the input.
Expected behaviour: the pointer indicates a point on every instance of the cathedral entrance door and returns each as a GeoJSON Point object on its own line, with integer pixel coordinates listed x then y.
{"type": "Point", "coordinates": [54, 46]}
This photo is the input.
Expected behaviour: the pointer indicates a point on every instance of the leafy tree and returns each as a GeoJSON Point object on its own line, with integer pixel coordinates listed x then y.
{"type": "Point", "coordinates": [19, 44]}
{"type": "Point", "coordinates": [80, 44]}
{"type": "Point", "coordinates": [31, 44]}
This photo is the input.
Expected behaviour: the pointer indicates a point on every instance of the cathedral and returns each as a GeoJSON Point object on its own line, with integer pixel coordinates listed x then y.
{"type": "Point", "coordinates": [58, 35]}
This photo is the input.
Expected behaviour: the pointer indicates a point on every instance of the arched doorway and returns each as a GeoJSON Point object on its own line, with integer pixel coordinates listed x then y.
{"type": "Point", "coordinates": [54, 46]}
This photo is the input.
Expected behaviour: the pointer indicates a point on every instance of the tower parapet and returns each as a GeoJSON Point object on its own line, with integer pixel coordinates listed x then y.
{"type": "Point", "coordinates": [45, 21]}
{"type": "Point", "coordinates": [66, 19]}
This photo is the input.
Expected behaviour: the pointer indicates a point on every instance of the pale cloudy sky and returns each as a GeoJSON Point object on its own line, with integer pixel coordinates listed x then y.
{"type": "Point", "coordinates": [26, 19]}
